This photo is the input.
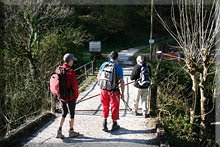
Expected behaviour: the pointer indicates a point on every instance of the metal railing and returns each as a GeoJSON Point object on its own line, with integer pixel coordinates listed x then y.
{"type": "Point", "coordinates": [84, 71]}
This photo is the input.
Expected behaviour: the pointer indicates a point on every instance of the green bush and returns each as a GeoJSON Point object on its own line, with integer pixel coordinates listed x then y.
{"type": "Point", "coordinates": [174, 113]}
{"type": "Point", "coordinates": [174, 96]}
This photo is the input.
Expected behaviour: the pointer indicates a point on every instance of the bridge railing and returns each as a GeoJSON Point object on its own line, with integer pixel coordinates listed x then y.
{"type": "Point", "coordinates": [84, 71]}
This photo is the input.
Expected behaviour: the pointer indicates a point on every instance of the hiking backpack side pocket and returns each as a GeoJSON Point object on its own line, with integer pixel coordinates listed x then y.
{"type": "Point", "coordinates": [54, 84]}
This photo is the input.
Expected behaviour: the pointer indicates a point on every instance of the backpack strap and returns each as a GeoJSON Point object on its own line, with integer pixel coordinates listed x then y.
{"type": "Point", "coordinates": [60, 68]}
{"type": "Point", "coordinates": [108, 63]}
{"type": "Point", "coordinates": [116, 75]}
{"type": "Point", "coordinates": [66, 69]}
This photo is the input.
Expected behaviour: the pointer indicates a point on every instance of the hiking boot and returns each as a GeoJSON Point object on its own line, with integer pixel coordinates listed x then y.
{"type": "Point", "coordinates": [115, 126]}
{"type": "Point", "coordinates": [135, 113]}
{"type": "Point", "coordinates": [105, 128]}
{"type": "Point", "coordinates": [73, 134]}
{"type": "Point", "coordinates": [145, 115]}
{"type": "Point", "coordinates": [59, 135]}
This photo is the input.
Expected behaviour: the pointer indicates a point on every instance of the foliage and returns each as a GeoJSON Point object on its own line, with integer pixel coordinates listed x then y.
{"type": "Point", "coordinates": [174, 95]}
{"type": "Point", "coordinates": [23, 97]}
{"type": "Point", "coordinates": [34, 37]}
{"type": "Point", "coordinates": [32, 49]}
{"type": "Point", "coordinates": [196, 33]}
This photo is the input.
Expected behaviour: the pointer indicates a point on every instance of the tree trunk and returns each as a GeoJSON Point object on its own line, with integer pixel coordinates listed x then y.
{"type": "Point", "coordinates": [153, 94]}
{"type": "Point", "coordinates": [194, 99]}
{"type": "Point", "coordinates": [202, 105]}
{"type": "Point", "coordinates": [154, 89]}
{"type": "Point", "coordinates": [203, 77]}
{"type": "Point", "coordinates": [151, 27]}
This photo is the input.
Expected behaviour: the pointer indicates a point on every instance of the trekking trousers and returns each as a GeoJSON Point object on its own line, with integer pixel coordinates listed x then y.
{"type": "Point", "coordinates": [69, 106]}
{"type": "Point", "coordinates": [113, 99]}
{"type": "Point", "coordinates": [145, 99]}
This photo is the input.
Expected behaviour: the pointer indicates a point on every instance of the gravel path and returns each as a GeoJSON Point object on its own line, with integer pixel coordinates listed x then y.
{"type": "Point", "coordinates": [135, 131]}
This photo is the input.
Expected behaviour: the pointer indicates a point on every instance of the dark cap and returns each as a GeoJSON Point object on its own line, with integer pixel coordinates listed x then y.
{"type": "Point", "coordinates": [67, 57]}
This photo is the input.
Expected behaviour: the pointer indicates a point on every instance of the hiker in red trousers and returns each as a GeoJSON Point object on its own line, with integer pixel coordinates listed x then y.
{"type": "Point", "coordinates": [109, 76]}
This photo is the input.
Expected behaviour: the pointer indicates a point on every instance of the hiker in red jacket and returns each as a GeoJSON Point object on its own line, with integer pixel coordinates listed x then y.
{"type": "Point", "coordinates": [69, 103]}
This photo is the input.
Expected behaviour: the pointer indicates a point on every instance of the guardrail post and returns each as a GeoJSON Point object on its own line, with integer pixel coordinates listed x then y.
{"type": "Point", "coordinates": [85, 72]}
{"type": "Point", "coordinates": [92, 68]}
{"type": "Point", "coordinates": [53, 103]}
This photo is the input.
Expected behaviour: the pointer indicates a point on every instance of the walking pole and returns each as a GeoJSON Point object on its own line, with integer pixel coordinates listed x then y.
{"type": "Point", "coordinates": [126, 105]}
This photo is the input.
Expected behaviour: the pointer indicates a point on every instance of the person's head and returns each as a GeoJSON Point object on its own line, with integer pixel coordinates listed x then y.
{"type": "Point", "coordinates": [69, 59]}
{"type": "Point", "coordinates": [114, 55]}
{"type": "Point", "coordinates": [140, 60]}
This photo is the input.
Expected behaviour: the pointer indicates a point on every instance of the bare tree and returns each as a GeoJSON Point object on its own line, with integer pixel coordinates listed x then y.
{"type": "Point", "coordinates": [195, 32]}
{"type": "Point", "coordinates": [27, 22]}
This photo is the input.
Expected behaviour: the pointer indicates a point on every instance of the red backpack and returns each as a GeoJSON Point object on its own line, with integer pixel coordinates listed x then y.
{"type": "Point", "coordinates": [58, 84]}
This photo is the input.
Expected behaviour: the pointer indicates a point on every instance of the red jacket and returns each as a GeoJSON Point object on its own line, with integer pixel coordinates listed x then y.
{"type": "Point", "coordinates": [71, 82]}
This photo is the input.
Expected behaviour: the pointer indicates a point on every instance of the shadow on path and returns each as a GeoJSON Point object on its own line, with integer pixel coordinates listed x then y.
{"type": "Point", "coordinates": [89, 91]}
{"type": "Point", "coordinates": [122, 131]}
{"type": "Point", "coordinates": [35, 133]}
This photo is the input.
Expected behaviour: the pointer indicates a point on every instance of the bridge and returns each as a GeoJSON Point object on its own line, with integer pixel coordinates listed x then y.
{"type": "Point", "coordinates": [135, 131]}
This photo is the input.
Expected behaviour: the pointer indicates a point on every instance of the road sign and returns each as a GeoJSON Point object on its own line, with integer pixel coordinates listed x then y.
{"type": "Point", "coordinates": [95, 46]}
{"type": "Point", "coordinates": [151, 41]}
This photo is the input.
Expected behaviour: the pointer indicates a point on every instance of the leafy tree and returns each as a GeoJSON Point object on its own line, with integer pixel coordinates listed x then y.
{"type": "Point", "coordinates": [33, 44]}
{"type": "Point", "coordinates": [25, 25]}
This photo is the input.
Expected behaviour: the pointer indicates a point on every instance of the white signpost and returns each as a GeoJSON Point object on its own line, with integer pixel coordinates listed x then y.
{"type": "Point", "coordinates": [151, 41]}
{"type": "Point", "coordinates": [95, 46]}
{"type": "Point", "coordinates": [95, 50]}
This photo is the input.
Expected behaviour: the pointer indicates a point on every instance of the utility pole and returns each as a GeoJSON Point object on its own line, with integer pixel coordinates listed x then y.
{"type": "Point", "coordinates": [151, 27]}
{"type": "Point", "coordinates": [2, 77]}
{"type": "Point", "coordinates": [153, 88]}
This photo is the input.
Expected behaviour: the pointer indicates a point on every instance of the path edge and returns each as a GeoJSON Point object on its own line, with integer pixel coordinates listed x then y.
{"type": "Point", "coordinates": [161, 135]}
{"type": "Point", "coordinates": [26, 130]}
